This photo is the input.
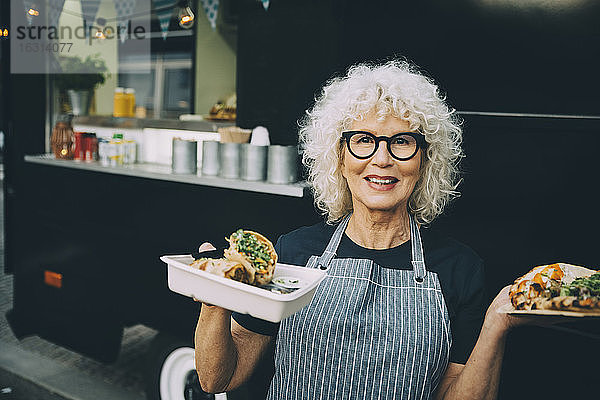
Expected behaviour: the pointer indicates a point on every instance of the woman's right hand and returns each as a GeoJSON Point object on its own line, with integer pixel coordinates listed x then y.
{"type": "Point", "coordinates": [206, 246]}
{"type": "Point", "coordinates": [226, 352]}
{"type": "Point", "coordinates": [212, 309]}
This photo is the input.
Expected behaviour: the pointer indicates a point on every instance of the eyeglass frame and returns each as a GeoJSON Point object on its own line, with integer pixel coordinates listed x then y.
{"type": "Point", "coordinates": [419, 139]}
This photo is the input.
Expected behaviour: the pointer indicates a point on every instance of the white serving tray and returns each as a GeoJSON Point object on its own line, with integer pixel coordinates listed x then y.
{"type": "Point", "coordinates": [240, 297]}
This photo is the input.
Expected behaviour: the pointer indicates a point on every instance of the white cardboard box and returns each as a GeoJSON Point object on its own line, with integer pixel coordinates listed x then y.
{"type": "Point", "coordinates": [240, 297]}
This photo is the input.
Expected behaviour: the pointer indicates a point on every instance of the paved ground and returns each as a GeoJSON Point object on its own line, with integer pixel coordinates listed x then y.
{"type": "Point", "coordinates": [123, 377]}
{"type": "Point", "coordinates": [14, 387]}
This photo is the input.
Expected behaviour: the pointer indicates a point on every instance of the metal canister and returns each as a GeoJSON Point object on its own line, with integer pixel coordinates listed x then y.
{"type": "Point", "coordinates": [210, 157]}
{"type": "Point", "coordinates": [229, 160]}
{"type": "Point", "coordinates": [253, 162]}
{"type": "Point", "coordinates": [282, 165]}
{"type": "Point", "coordinates": [184, 156]}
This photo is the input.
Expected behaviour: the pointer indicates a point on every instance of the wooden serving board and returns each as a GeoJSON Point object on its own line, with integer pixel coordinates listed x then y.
{"type": "Point", "coordinates": [509, 309]}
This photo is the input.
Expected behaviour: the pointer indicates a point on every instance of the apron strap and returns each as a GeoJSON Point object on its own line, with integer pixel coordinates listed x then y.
{"type": "Point", "coordinates": [333, 244]}
{"type": "Point", "coordinates": [418, 261]}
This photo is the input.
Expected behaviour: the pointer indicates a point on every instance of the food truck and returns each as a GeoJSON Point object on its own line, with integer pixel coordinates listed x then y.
{"type": "Point", "coordinates": [83, 240]}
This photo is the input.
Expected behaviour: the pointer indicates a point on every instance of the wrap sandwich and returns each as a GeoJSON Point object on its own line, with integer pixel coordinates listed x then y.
{"type": "Point", "coordinates": [255, 252]}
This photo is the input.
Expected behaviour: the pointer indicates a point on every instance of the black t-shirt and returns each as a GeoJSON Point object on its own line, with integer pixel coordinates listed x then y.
{"type": "Point", "coordinates": [460, 271]}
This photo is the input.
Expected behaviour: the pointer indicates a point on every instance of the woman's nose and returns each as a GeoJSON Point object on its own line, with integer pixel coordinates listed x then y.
{"type": "Point", "coordinates": [382, 156]}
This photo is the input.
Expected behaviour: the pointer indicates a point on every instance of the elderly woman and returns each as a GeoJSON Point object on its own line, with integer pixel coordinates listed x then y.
{"type": "Point", "coordinates": [401, 311]}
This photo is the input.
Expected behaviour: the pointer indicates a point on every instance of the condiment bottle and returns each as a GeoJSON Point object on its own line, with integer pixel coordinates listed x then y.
{"type": "Point", "coordinates": [130, 152]}
{"type": "Point", "coordinates": [130, 97]}
{"type": "Point", "coordinates": [120, 103]}
{"type": "Point", "coordinates": [117, 154]}
{"type": "Point", "coordinates": [103, 152]}
{"type": "Point", "coordinates": [62, 137]}
{"type": "Point", "coordinates": [90, 147]}
{"type": "Point", "coordinates": [78, 153]}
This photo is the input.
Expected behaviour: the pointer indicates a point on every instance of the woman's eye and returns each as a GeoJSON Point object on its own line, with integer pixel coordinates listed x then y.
{"type": "Point", "coordinates": [364, 139]}
{"type": "Point", "coordinates": [402, 140]}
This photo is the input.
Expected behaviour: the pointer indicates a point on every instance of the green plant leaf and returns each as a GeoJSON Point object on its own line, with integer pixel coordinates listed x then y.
{"type": "Point", "coordinates": [83, 74]}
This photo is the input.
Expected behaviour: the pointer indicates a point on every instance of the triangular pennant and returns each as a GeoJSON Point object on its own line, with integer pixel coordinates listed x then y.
{"type": "Point", "coordinates": [89, 9]}
{"type": "Point", "coordinates": [265, 4]}
{"type": "Point", "coordinates": [55, 8]}
{"type": "Point", "coordinates": [164, 12]}
{"type": "Point", "coordinates": [124, 10]}
{"type": "Point", "coordinates": [211, 8]}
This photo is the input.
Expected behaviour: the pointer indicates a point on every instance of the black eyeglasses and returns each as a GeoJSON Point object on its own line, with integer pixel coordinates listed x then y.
{"type": "Point", "coordinates": [402, 146]}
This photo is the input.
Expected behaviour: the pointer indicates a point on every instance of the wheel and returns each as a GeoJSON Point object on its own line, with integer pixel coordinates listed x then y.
{"type": "Point", "coordinates": [170, 371]}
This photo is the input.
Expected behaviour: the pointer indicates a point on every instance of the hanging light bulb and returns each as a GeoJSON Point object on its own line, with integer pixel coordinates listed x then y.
{"type": "Point", "coordinates": [186, 16]}
{"type": "Point", "coordinates": [99, 34]}
{"type": "Point", "coordinates": [33, 11]}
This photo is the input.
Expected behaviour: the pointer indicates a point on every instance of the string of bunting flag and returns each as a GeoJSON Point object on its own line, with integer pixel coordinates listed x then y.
{"type": "Point", "coordinates": [125, 11]}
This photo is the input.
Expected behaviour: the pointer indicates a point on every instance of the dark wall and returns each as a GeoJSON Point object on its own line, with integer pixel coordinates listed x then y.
{"type": "Point", "coordinates": [501, 56]}
{"type": "Point", "coordinates": [284, 55]}
{"type": "Point", "coordinates": [497, 56]}
{"type": "Point", "coordinates": [528, 194]}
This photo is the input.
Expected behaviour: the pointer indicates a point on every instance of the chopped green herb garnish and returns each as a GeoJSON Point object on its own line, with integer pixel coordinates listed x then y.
{"type": "Point", "coordinates": [256, 251]}
{"type": "Point", "coordinates": [583, 287]}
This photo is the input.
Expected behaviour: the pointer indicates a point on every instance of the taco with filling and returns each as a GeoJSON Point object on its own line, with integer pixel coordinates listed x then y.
{"type": "Point", "coordinates": [559, 286]}
{"type": "Point", "coordinates": [254, 251]}
{"type": "Point", "coordinates": [225, 268]}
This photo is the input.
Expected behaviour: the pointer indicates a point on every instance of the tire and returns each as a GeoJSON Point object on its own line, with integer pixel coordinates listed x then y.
{"type": "Point", "coordinates": [170, 371]}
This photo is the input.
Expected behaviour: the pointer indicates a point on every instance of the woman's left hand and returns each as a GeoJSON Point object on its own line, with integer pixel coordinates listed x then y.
{"type": "Point", "coordinates": [497, 318]}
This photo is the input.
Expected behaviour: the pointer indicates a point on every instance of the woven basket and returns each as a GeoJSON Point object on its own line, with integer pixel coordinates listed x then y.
{"type": "Point", "coordinates": [233, 134]}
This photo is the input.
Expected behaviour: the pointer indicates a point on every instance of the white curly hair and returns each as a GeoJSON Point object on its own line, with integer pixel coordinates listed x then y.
{"type": "Point", "coordinates": [394, 88]}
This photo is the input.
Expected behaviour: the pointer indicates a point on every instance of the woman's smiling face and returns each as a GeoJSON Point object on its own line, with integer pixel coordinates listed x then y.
{"type": "Point", "coordinates": [380, 183]}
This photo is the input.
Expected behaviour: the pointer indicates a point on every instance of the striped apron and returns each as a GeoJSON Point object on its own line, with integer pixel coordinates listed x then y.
{"type": "Point", "coordinates": [369, 332]}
